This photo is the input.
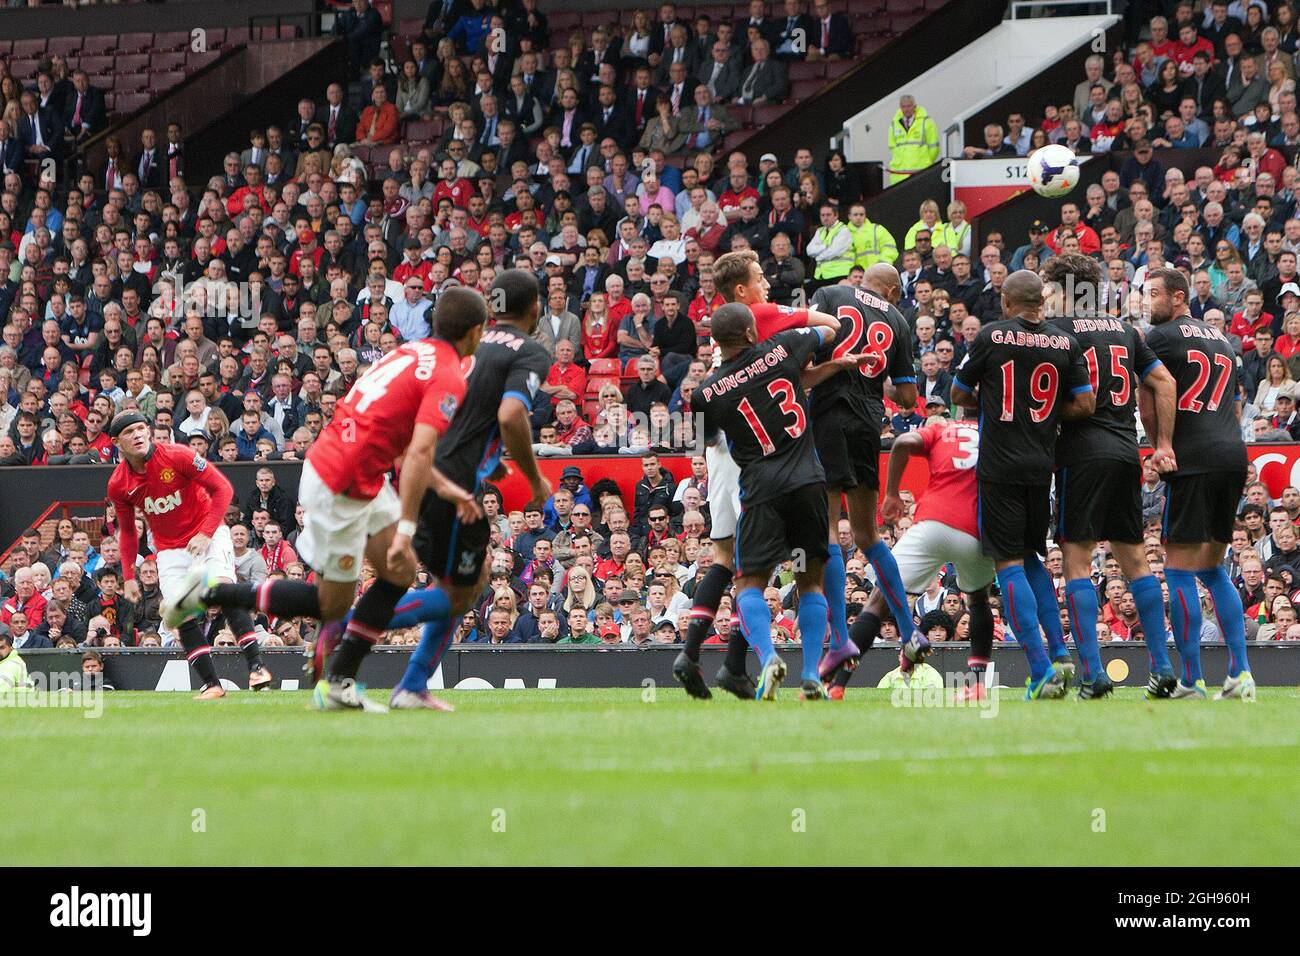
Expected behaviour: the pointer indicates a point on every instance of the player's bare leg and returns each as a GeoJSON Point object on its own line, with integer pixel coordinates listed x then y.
{"type": "Point", "coordinates": [241, 625]}
{"type": "Point", "coordinates": [1185, 564]}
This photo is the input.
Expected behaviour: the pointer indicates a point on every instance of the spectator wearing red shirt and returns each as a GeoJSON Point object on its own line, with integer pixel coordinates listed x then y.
{"type": "Point", "coordinates": [25, 599]}
{"type": "Point", "coordinates": [379, 121]}
{"type": "Point", "coordinates": [565, 380]}
{"type": "Point", "coordinates": [308, 247]}
{"type": "Point", "coordinates": [1189, 44]}
{"type": "Point", "coordinates": [1266, 160]}
{"type": "Point", "coordinates": [599, 328]}
{"type": "Point", "coordinates": [252, 187]}
{"type": "Point", "coordinates": [619, 546]}
{"type": "Point", "coordinates": [1251, 319]}
{"type": "Point", "coordinates": [707, 301]}
{"type": "Point", "coordinates": [1071, 223]}
{"type": "Point", "coordinates": [1162, 47]}
{"type": "Point", "coordinates": [709, 231]}
{"type": "Point", "coordinates": [452, 187]}
{"type": "Point", "coordinates": [414, 265]}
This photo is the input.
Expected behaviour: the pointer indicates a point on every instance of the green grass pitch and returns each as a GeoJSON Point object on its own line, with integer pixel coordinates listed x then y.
{"type": "Point", "coordinates": [608, 777]}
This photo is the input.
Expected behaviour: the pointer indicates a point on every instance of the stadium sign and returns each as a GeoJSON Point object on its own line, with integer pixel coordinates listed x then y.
{"type": "Point", "coordinates": [983, 184]}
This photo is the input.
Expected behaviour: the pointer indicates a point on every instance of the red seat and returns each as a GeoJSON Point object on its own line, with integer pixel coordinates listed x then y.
{"type": "Point", "coordinates": [6, 47]}
{"type": "Point", "coordinates": [23, 70]}
{"type": "Point", "coordinates": [901, 24]}
{"type": "Point", "coordinates": [603, 367]}
{"type": "Point", "coordinates": [410, 27]}
{"type": "Point", "coordinates": [837, 69]}
{"type": "Point", "coordinates": [803, 89]}
{"type": "Point", "coordinates": [161, 82]}
{"type": "Point", "coordinates": [197, 61]}
{"type": "Point", "coordinates": [803, 70]}
{"type": "Point", "coordinates": [216, 37]}
{"type": "Point", "coordinates": [900, 6]}
{"type": "Point", "coordinates": [594, 385]}
{"type": "Point", "coordinates": [629, 369]}
{"type": "Point", "coordinates": [128, 103]}
{"type": "Point", "coordinates": [102, 45]}
{"type": "Point", "coordinates": [130, 82]}
{"type": "Point", "coordinates": [64, 46]}
{"type": "Point", "coordinates": [131, 63]}
{"type": "Point", "coordinates": [765, 114]}
{"type": "Point", "coordinates": [166, 62]}
{"type": "Point", "coordinates": [589, 409]}
{"type": "Point", "coordinates": [421, 131]}
{"type": "Point", "coordinates": [134, 42]}
{"type": "Point", "coordinates": [176, 40]}
{"type": "Point", "coordinates": [236, 36]}
{"type": "Point", "coordinates": [29, 49]}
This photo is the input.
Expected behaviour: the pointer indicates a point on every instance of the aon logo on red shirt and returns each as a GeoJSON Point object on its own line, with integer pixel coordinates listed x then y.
{"type": "Point", "coordinates": [160, 506]}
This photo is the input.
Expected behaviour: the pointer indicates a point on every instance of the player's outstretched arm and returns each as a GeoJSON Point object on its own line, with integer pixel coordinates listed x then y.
{"type": "Point", "coordinates": [517, 436]}
{"type": "Point", "coordinates": [1156, 402]}
{"type": "Point", "coordinates": [904, 447]}
{"type": "Point", "coordinates": [963, 397]}
{"type": "Point", "coordinates": [822, 320]}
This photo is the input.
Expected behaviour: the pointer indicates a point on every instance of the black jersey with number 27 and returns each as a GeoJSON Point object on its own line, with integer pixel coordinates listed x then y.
{"type": "Point", "coordinates": [757, 400]}
{"type": "Point", "coordinates": [1025, 372]}
{"type": "Point", "coordinates": [1207, 432]}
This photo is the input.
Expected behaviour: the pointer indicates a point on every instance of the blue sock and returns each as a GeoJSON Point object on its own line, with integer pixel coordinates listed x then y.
{"type": "Point", "coordinates": [1081, 600]}
{"type": "Point", "coordinates": [1185, 612]}
{"type": "Point", "coordinates": [1022, 611]}
{"type": "Point", "coordinates": [1229, 613]}
{"type": "Point", "coordinates": [833, 583]}
{"type": "Point", "coordinates": [812, 631]}
{"type": "Point", "coordinates": [891, 582]}
{"type": "Point", "coordinates": [434, 642]}
{"type": "Point", "coordinates": [1150, 601]}
{"type": "Point", "coordinates": [756, 622]}
{"type": "Point", "coordinates": [1049, 616]}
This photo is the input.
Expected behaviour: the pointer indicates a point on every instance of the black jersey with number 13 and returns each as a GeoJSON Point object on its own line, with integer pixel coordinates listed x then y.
{"type": "Point", "coordinates": [757, 400]}
{"type": "Point", "coordinates": [1207, 432]}
{"type": "Point", "coordinates": [1025, 372]}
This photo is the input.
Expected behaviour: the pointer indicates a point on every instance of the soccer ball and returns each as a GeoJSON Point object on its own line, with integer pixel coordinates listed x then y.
{"type": "Point", "coordinates": [1053, 170]}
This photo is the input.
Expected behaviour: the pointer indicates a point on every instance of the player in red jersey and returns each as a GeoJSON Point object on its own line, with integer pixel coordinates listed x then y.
{"type": "Point", "coordinates": [393, 415]}
{"type": "Point", "coordinates": [946, 529]}
{"type": "Point", "coordinates": [183, 500]}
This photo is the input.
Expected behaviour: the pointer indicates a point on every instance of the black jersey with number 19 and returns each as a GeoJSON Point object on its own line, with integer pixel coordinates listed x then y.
{"type": "Point", "coordinates": [1022, 369]}
{"type": "Point", "coordinates": [1207, 432]}
{"type": "Point", "coordinates": [1114, 353]}
{"type": "Point", "coordinates": [757, 400]}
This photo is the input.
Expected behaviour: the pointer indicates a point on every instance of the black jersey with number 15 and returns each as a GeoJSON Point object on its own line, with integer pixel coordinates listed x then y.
{"type": "Point", "coordinates": [1207, 432]}
{"type": "Point", "coordinates": [868, 324]}
{"type": "Point", "coordinates": [757, 400]}
{"type": "Point", "coordinates": [1026, 372]}
{"type": "Point", "coordinates": [1115, 353]}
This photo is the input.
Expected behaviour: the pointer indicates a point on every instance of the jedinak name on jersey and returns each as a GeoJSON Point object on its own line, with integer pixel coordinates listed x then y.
{"type": "Point", "coordinates": [740, 376]}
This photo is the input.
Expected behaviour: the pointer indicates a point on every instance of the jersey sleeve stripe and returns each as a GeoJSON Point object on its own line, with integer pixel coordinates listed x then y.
{"type": "Point", "coordinates": [1150, 368]}
{"type": "Point", "coordinates": [958, 383]}
{"type": "Point", "coordinates": [1079, 390]}
{"type": "Point", "coordinates": [519, 395]}
{"type": "Point", "coordinates": [910, 379]}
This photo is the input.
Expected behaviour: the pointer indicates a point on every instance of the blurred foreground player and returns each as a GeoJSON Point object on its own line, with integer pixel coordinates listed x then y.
{"type": "Point", "coordinates": [1023, 377]}
{"type": "Point", "coordinates": [946, 529]}
{"type": "Point", "coordinates": [395, 413]}
{"type": "Point", "coordinates": [1201, 502]}
{"type": "Point", "coordinates": [1099, 471]}
{"type": "Point", "coordinates": [183, 500]}
{"type": "Point", "coordinates": [756, 399]}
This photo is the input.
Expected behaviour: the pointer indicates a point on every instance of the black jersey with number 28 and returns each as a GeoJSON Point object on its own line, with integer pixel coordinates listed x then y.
{"type": "Point", "coordinates": [757, 400]}
{"type": "Point", "coordinates": [868, 324]}
{"type": "Point", "coordinates": [1025, 372]}
{"type": "Point", "coordinates": [1115, 353]}
{"type": "Point", "coordinates": [1207, 432]}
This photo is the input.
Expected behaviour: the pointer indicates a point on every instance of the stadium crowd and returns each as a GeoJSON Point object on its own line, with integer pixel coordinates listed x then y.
{"type": "Point", "coordinates": [235, 312]}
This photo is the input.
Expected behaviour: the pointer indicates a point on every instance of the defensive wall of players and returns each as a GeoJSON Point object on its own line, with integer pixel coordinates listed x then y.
{"type": "Point", "coordinates": [26, 493]}
{"type": "Point", "coordinates": [531, 667]}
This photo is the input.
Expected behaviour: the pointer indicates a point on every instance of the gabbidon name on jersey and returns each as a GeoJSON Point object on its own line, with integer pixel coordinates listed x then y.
{"type": "Point", "coordinates": [1039, 340]}
{"type": "Point", "coordinates": [742, 375]}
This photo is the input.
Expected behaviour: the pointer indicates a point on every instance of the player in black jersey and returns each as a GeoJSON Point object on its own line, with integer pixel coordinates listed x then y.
{"type": "Point", "coordinates": [1023, 377]}
{"type": "Point", "coordinates": [1201, 503]}
{"type": "Point", "coordinates": [1099, 472]}
{"type": "Point", "coordinates": [504, 375]}
{"type": "Point", "coordinates": [847, 413]}
{"type": "Point", "coordinates": [756, 398]}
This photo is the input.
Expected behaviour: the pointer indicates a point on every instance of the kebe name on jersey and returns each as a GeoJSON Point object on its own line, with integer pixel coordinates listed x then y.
{"type": "Point", "coordinates": [740, 376]}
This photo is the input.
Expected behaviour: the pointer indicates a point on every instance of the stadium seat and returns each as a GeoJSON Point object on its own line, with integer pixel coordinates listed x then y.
{"type": "Point", "coordinates": [23, 70]}
{"type": "Point", "coordinates": [162, 82]}
{"type": "Point", "coordinates": [410, 27]}
{"type": "Point", "coordinates": [236, 36]}
{"type": "Point", "coordinates": [802, 70]}
{"type": "Point", "coordinates": [166, 62]}
{"type": "Point", "coordinates": [128, 103]}
{"type": "Point", "coordinates": [422, 131]}
{"type": "Point", "coordinates": [595, 384]}
{"type": "Point", "coordinates": [629, 369]}
{"type": "Point", "coordinates": [589, 409]}
{"type": "Point", "coordinates": [768, 112]}
{"type": "Point", "coordinates": [838, 68]}
{"type": "Point", "coordinates": [603, 367]}
{"type": "Point", "coordinates": [803, 89]}
{"type": "Point", "coordinates": [102, 45]}
{"type": "Point", "coordinates": [901, 24]}
{"type": "Point", "coordinates": [29, 49]}
{"type": "Point", "coordinates": [216, 37]}
{"type": "Point", "coordinates": [130, 82]}
{"type": "Point", "coordinates": [64, 46]}
{"type": "Point", "coordinates": [171, 42]}
{"type": "Point", "coordinates": [197, 61]}
{"type": "Point", "coordinates": [131, 63]}
{"type": "Point", "coordinates": [134, 42]}
{"type": "Point", "coordinates": [562, 24]}
{"type": "Point", "coordinates": [6, 47]}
